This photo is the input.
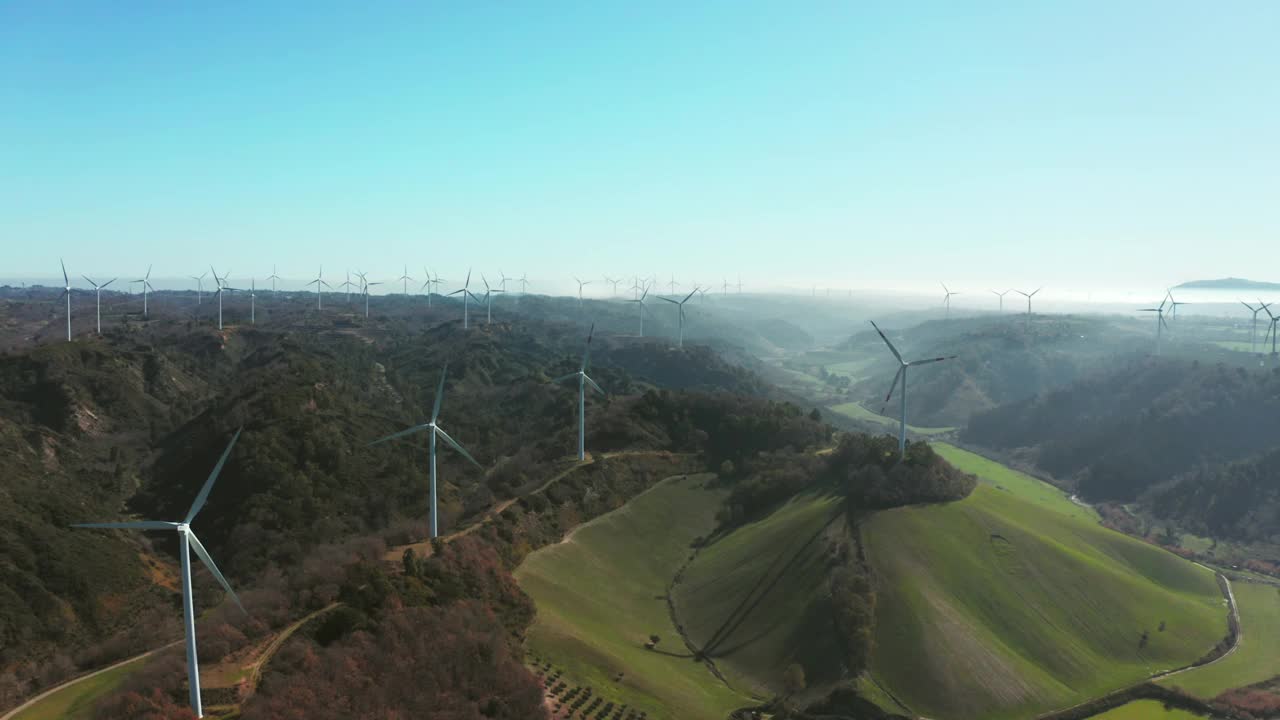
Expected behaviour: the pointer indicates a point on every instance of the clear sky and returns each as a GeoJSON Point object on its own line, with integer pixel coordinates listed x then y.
{"type": "Point", "coordinates": [1081, 144]}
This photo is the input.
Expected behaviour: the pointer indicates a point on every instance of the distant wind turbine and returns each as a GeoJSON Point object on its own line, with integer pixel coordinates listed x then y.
{"type": "Point", "coordinates": [1271, 331]}
{"type": "Point", "coordinates": [435, 431]}
{"type": "Point", "coordinates": [680, 316]}
{"type": "Point", "coordinates": [1253, 336]}
{"type": "Point", "coordinates": [405, 278]}
{"type": "Point", "coordinates": [946, 299]}
{"type": "Point", "coordinates": [253, 301]}
{"type": "Point", "coordinates": [1173, 305]}
{"type": "Point", "coordinates": [614, 282]}
{"type": "Point", "coordinates": [365, 281]}
{"type": "Point", "coordinates": [426, 285]}
{"type": "Point", "coordinates": [347, 285]}
{"type": "Point", "coordinates": [583, 381]}
{"type": "Point", "coordinates": [903, 365]}
{"type": "Point", "coordinates": [1028, 296]}
{"type": "Point", "coordinates": [187, 542]}
{"type": "Point", "coordinates": [1001, 296]}
{"type": "Point", "coordinates": [221, 282]}
{"type": "Point", "coordinates": [199, 286]}
{"type": "Point", "coordinates": [581, 284]}
{"type": "Point", "coordinates": [66, 293]}
{"type": "Point", "coordinates": [1160, 323]}
{"type": "Point", "coordinates": [502, 280]}
{"type": "Point", "coordinates": [273, 277]}
{"type": "Point", "coordinates": [320, 285]}
{"type": "Point", "coordinates": [145, 280]}
{"type": "Point", "coordinates": [488, 300]}
{"type": "Point", "coordinates": [673, 284]}
{"type": "Point", "coordinates": [640, 301]}
{"type": "Point", "coordinates": [466, 293]}
{"type": "Point", "coordinates": [725, 289]}
{"type": "Point", "coordinates": [97, 289]}
{"type": "Point", "coordinates": [524, 283]}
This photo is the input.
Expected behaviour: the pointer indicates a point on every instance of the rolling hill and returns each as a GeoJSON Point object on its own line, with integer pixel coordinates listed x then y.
{"type": "Point", "coordinates": [1002, 606]}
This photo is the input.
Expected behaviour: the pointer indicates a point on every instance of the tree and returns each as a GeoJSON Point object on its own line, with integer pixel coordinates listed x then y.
{"type": "Point", "coordinates": [793, 679]}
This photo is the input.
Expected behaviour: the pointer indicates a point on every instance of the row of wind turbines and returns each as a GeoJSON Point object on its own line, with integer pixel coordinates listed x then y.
{"type": "Point", "coordinates": [189, 543]}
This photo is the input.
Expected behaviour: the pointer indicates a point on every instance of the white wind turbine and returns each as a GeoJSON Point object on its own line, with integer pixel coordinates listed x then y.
{"type": "Point", "coordinates": [405, 279]}
{"type": "Point", "coordinates": [502, 280]}
{"type": "Point", "coordinates": [199, 286]}
{"type": "Point", "coordinates": [1001, 296]}
{"type": "Point", "coordinates": [1273, 332]}
{"type": "Point", "coordinates": [673, 284]}
{"type": "Point", "coordinates": [640, 301]}
{"type": "Point", "coordinates": [435, 431]}
{"type": "Point", "coordinates": [366, 283]}
{"type": "Point", "coordinates": [581, 283]}
{"type": "Point", "coordinates": [1160, 323]}
{"type": "Point", "coordinates": [273, 277]}
{"type": "Point", "coordinates": [187, 542]}
{"type": "Point", "coordinates": [614, 282]}
{"type": "Point", "coordinates": [222, 287]}
{"type": "Point", "coordinates": [680, 306]}
{"type": "Point", "coordinates": [97, 289]}
{"type": "Point", "coordinates": [1253, 336]}
{"type": "Point", "coordinates": [946, 299]}
{"type": "Point", "coordinates": [426, 285]}
{"type": "Point", "coordinates": [524, 283]}
{"type": "Point", "coordinates": [488, 300]}
{"type": "Point", "coordinates": [1030, 295]}
{"type": "Point", "coordinates": [903, 365]}
{"type": "Point", "coordinates": [320, 284]}
{"type": "Point", "coordinates": [347, 284]}
{"type": "Point", "coordinates": [466, 293]}
{"type": "Point", "coordinates": [253, 302]}
{"type": "Point", "coordinates": [146, 286]}
{"type": "Point", "coordinates": [66, 293]}
{"type": "Point", "coordinates": [583, 381]}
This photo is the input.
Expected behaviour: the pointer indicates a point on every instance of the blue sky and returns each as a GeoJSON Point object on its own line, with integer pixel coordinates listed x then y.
{"type": "Point", "coordinates": [1081, 144]}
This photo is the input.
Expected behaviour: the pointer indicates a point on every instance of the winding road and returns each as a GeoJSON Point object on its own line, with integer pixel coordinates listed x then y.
{"type": "Point", "coordinates": [76, 681]}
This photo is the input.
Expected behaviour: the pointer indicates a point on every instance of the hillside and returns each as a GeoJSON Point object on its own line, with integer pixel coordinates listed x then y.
{"type": "Point", "coordinates": [1239, 501]}
{"type": "Point", "coordinates": [1230, 283]}
{"type": "Point", "coordinates": [1001, 606]}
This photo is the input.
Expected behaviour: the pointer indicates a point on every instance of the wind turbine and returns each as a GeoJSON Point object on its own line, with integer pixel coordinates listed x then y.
{"type": "Point", "coordinates": [1028, 297]}
{"type": "Point", "coordinates": [199, 287]}
{"type": "Point", "coordinates": [273, 277]}
{"type": "Point", "coordinates": [739, 284]}
{"type": "Point", "coordinates": [221, 281]}
{"type": "Point", "coordinates": [97, 289]}
{"type": "Point", "coordinates": [466, 293]}
{"type": "Point", "coordinates": [366, 283]}
{"type": "Point", "coordinates": [614, 283]}
{"type": "Point", "coordinates": [1173, 315]}
{"type": "Point", "coordinates": [1253, 336]}
{"type": "Point", "coordinates": [187, 542]}
{"type": "Point", "coordinates": [580, 286]}
{"type": "Point", "coordinates": [673, 284]}
{"type": "Point", "coordinates": [1001, 296]}
{"type": "Point", "coordinates": [146, 286]}
{"type": "Point", "coordinates": [320, 283]}
{"type": "Point", "coordinates": [946, 299]}
{"type": "Point", "coordinates": [640, 301]}
{"type": "Point", "coordinates": [435, 430]}
{"type": "Point", "coordinates": [488, 300]}
{"type": "Point", "coordinates": [680, 305]}
{"type": "Point", "coordinates": [66, 293]}
{"type": "Point", "coordinates": [1160, 323]}
{"type": "Point", "coordinates": [903, 365]}
{"type": "Point", "coordinates": [405, 278]}
{"type": "Point", "coordinates": [725, 289]}
{"type": "Point", "coordinates": [583, 381]}
{"type": "Point", "coordinates": [502, 280]}
{"type": "Point", "coordinates": [253, 302]}
{"type": "Point", "coordinates": [1272, 331]}
{"type": "Point", "coordinates": [524, 283]}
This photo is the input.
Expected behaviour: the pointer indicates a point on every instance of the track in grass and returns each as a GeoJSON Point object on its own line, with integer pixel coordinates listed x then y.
{"type": "Point", "coordinates": [1258, 656]}
{"type": "Point", "coordinates": [999, 607]}
{"type": "Point", "coordinates": [601, 593]}
{"type": "Point", "coordinates": [76, 701]}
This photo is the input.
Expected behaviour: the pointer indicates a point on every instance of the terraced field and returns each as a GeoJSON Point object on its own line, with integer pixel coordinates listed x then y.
{"type": "Point", "coordinates": [601, 594]}
{"type": "Point", "coordinates": [1002, 606]}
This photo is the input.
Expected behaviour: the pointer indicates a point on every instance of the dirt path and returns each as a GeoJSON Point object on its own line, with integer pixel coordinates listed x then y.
{"type": "Point", "coordinates": [12, 713]}
{"type": "Point", "coordinates": [255, 673]}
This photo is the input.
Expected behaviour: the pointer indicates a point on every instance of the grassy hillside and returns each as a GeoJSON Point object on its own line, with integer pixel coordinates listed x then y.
{"type": "Point", "coordinates": [755, 600]}
{"type": "Point", "coordinates": [77, 701]}
{"type": "Point", "coordinates": [1258, 657]}
{"type": "Point", "coordinates": [1145, 710]}
{"type": "Point", "coordinates": [1019, 484]}
{"type": "Point", "coordinates": [600, 594]}
{"type": "Point", "coordinates": [856, 411]}
{"type": "Point", "coordinates": [997, 607]}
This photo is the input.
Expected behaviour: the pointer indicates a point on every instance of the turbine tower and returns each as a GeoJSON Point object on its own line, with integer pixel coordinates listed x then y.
{"type": "Point", "coordinates": [488, 300]}
{"type": "Point", "coordinates": [366, 283]}
{"type": "Point", "coordinates": [1160, 323]}
{"type": "Point", "coordinates": [1001, 296]}
{"type": "Point", "coordinates": [524, 283]}
{"type": "Point", "coordinates": [680, 306]}
{"type": "Point", "coordinates": [320, 283]}
{"type": "Point", "coordinates": [66, 293]}
{"type": "Point", "coordinates": [673, 284]}
{"type": "Point", "coordinates": [187, 542]}
{"type": "Point", "coordinates": [581, 283]}
{"type": "Point", "coordinates": [199, 286]}
{"type": "Point", "coordinates": [1271, 331]}
{"type": "Point", "coordinates": [502, 280]}
{"type": "Point", "coordinates": [1173, 305]}
{"type": "Point", "coordinates": [221, 282]}
{"type": "Point", "coordinates": [435, 431]}
{"type": "Point", "coordinates": [253, 303]}
{"type": "Point", "coordinates": [348, 285]}
{"type": "Point", "coordinates": [426, 285]}
{"type": "Point", "coordinates": [97, 289]}
{"type": "Point", "coordinates": [273, 277]}
{"type": "Point", "coordinates": [1253, 336]}
{"type": "Point", "coordinates": [146, 286]}
{"type": "Point", "coordinates": [1028, 296]}
{"type": "Point", "coordinates": [640, 301]}
{"type": "Point", "coordinates": [583, 381]}
{"type": "Point", "coordinates": [405, 279]}
{"type": "Point", "coordinates": [466, 293]}
{"type": "Point", "coordinates": [946, 299]}
{"type": "Point", "coordinates": [903, 365]}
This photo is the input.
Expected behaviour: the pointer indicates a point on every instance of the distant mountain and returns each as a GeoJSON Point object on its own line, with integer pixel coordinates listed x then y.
{"type": "Point", "coordinates": [1228, 284]}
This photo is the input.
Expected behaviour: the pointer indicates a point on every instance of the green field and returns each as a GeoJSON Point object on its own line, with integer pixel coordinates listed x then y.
{"type": "Point", "coordinates": [76, 702]}
{"type": "Point", "coordinates": [855, 370]}
{"type": "Point", "coordinates": [755, 599]}
{"type": "Point", "coordinates": [1258, 657]}
{"type": "Point", "coordinates": [601, 593]}
{"type": "Point", "coordinates": [1145, 710]}
{"type": "Point", "coordinates": [857, 412]}
{"type": "Point", "coordinates": [1019, 484]}
{"type": "Point", "coordinates": [1002, 607]}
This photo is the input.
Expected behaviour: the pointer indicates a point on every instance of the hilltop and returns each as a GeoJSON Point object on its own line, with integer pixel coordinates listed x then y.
{"type": "Point", "coordinates": [1230, 283]}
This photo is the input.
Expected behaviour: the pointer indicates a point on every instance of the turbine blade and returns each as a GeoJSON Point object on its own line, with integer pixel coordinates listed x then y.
{"type": "Point", "coordinates": [137, 525]}
{"type": "Point", "coordinates": [435, 410]}
{"type": "Point", "coordinates": [667, 299]}
{"type": "Point", "coordinates": [897, 376]}
{"type": "Point", "coordinates": [892, 349]}
{"type": "Point", "coordinates": [109, 282]}
{"type": "Point", "coordinates": [457, 447]}
{"type": "Point", "coordinates": [593, 384]}
{"type": "Point", "coordinates": [686, 297]}
{"type": "Point", "coordinates": [86, 277]}
{"type": "Point", "coordinates": [562, 378]}
{"type": "Point", "coordinates": [208, 484]}
{"type": "Point", "coordinates": [213, 568]}
{"type": "Point", "coordinates": [913, 363]}
{"type": "Point", "coordinates": [65, 279]}
{"type": "Point", "coordinates": [402, 433]}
